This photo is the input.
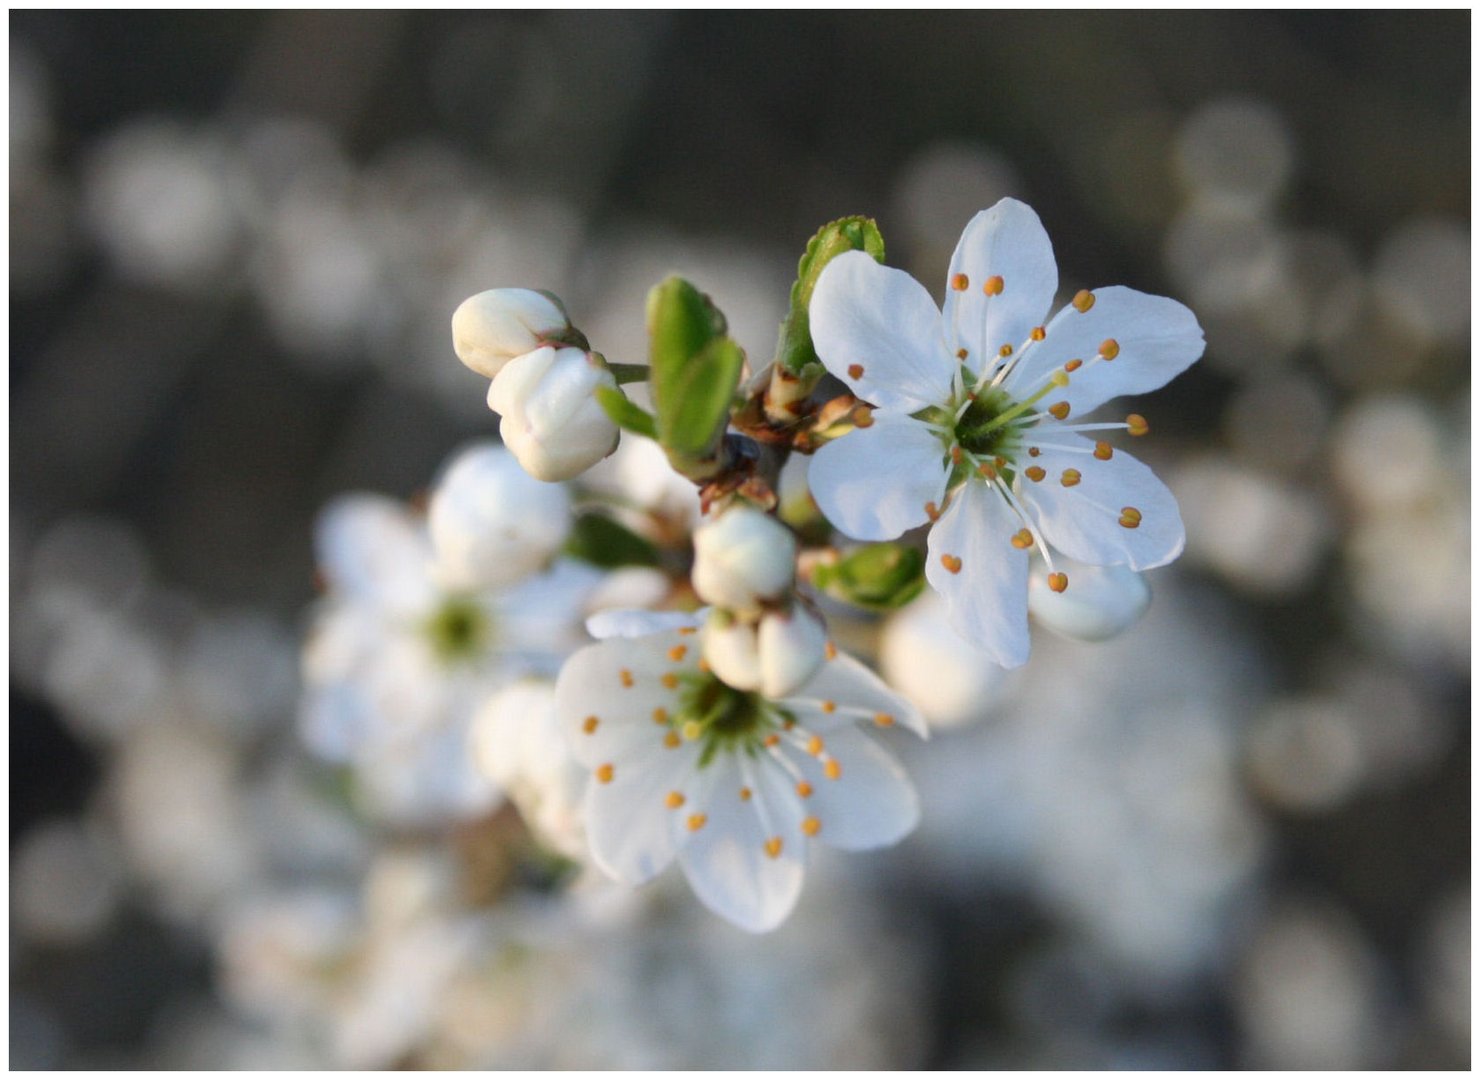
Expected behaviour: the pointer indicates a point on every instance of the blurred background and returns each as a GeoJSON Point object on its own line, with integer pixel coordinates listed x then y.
{"type": "Point", "coordinates": [1237, 836]}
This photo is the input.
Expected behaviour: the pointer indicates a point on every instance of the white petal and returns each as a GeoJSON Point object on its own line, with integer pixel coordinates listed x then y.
{"type": "Point", "coordinates": [632, 831]}
{"type": "Point", "coordinates": [874, 482]}
{"type": "Point", "coordinates": [374, 548]}
{"type": "Point", "coordinates": [792, 646]}
{"type": "Point", "coordinates": [595, 683]}
{"type": "Point", "coordinates": [1102, 601]}
{"type": "Point", "coordinates": [871, 804]}
{"type": "Point", "coordinates": [857, 694]}
{"type": "Point", "coordinates": [1083, 521]}
{"type": "Point", "coordinates": [726, 861]}
{"type": "Point", "coordinates": [988, 593]}
{"type": "Point", "coordinates": [1158, 339]}
{"type": "Point", "coordinates": [631, 624]}
{"type": "Point", "coordinates": [877, 329]}
{"type": "Point", "coordinates": [1008, 242]}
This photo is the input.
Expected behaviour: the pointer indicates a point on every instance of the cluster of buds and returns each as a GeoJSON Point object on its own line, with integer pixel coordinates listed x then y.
{"type": "Point", "coordinates": [544, 380]}
{"type": "Point", "coordinates": [759, 634]}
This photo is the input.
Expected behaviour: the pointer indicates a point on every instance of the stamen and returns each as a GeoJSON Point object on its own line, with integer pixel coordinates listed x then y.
{"type": "Point", "coordinates": [830, 651]}
{"type": "Point", "coordinates": [692, 729]}
{"type": "Point", "coordinates": [1058, 582]}
{"type": "Point", "coordinates": [961, 354]}
{"type": "Point", "coordinates": [829, 706]}
{"type": "Point", "coordinates": [1130, 517]}
{"type": "Point", "coordinates": [771, 740]}
{"type": "Point", "coordinates": [1034, 473]}
{"type": "Point", "coordinates": [1103, 450]}
{"type": "Point", "coordinates": [589, 725]}
{"type": "Point", "coordinates": [1070, 477]}
{"type": "Point", "coordinates": [687, 630]}
{"type": "Point", "coordinates": [855, 371]}
{"type": "Point", "coordinates": [1038, 333]}
{"type": "Point", "coordinates": [604, 773]}
{"type": "Point", "coordinates": [814, 745]}
{"type": "Point", "coordinates": [993, 285]}
{"type": "Point", "coordinates": [745, 794]}
{"type": "Point", "coordinates": [672, 740]}
{"type": "Point", "coordinates": [951, 563]}
{"type": "Point", "coordinates": [1005, 351]}
{"type": "Point", "coordinates": [863, 417]}
{"type": "Point", "coordinates": [670, 680]}
{"type": "Point", "coordinates": [804, 789]}
{"type": "Point", "coordinates": [1136, 424]}
{"type": "Point", "coordinates": [773, 847]}
{"type": "Point", "coordinates": [988, 470]}
{"type": "Point", "coordinates": [677, 653]}
{"type": "Point", "coordinates": [831, 769]}
{"type": "Point", "coordinates": [1083, 300]}
{"type": "Point", "coordinates": [960, 282]}
{"type": "Point", "coordinates": [883, 719]}
{"type": "Point", "coordinates": [626, 677]}
{"type": "Point", "coordinates": [932, 511]}
{"type": "Point", "coordinates": [1073, 365]}
{"type": "Point", "coordinates": [696, 821]}
{"type": "Point", "coordinates": [1033, 451]}
{"type": "Point", "coordinates": [660, 716]}
{"type": "Point", "coordinates": [1022, 540]}
{"type": "Point", "coordinates": [1110, 348]}
{"type": "Point", "coordinates": [1059, 411]}
{"type": "Point", "coordinates": [811, 826]}
{"type": "Point", "coordinates": [955, 455]}
{"type": "Point", "coordinates": [674, 800]}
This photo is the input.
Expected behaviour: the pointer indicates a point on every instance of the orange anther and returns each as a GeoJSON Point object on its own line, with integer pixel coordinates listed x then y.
{"type": "Point", "coordinates": [993, 285]}
{"type": "Point", "coordinates": [1059, 410]}
{"type": "Point", "coordinates": [1074, 365]}
{"type": "Point", "coordinates": [855, 371]}
{"type": "Point", "coordinates": [589, 725]}
{"type": "Point", "coordinates": [1038, 333]}
{"type": "Point", "coordinates": [1136, 424]}
{"type": "Point", "coordinates": [1022, 539]}
{"type": "Point", "coordinates": [883, 719]}
{"type": "Point", "coordinates": [674, 800]}
{"type": "Point", "coordinates": [1103, 450]}
{"type": "Point", "coordinates": [804, 789]}
{"type": "Point", "coordinates": [696, 821]}
{"type": "Point", "coordinates": [831, 769]}
{"type": "Point", "coordinates": [625, 676]}
{"type": "Point", "coordinates": [604, 773]}
{"type": "Point", "coordinates": [1109, 348]}
{"type": "Point", "coordinates": [1083, 300]}
{"type": "Point", "coordinates": [1058, 582]}
{"type": "Point", "coordinates": [959, 282]}
{"type": "Point", "coordinates": [811, 826]}
{"type": "Point", "coordinates": [951, 563]}
{"type": "Point", "coordinates": [1034, 473]}
{"type": "Point", "coordinates": [678, 652]}
{"type": "Point", "coordinates": [660, 716]}
{"type": "Point", "coordinates": [773, 847]}
{"type": "Point", "coordinates": [1070, 477]}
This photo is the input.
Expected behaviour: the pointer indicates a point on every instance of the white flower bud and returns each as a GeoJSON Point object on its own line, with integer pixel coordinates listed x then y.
{"type": "Point", "coordinates": [732, 650]}
{"type": "Point", "coordinates": [742, 558]}
{"type": "Point", "coordinates": [774, 655]}
{"type": "Point", "coordinates": [491, 523]}
{"type": "Point", "coordinates": [551, 419]}
{"type": "Point", "coordinates": [490, 329]}
{"type": "Point", "coordinates": [792, 646]}
{"type": "Point", "coordinates": [1100, 602]}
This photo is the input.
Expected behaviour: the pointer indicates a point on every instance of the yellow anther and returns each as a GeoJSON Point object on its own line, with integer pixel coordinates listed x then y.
{"type": "Point", "coordinates": [932, 511]}
{"type": "Point", "coordinates": [804, 789]}
{"type": "Point", "coordinates": [1059, 379]}
{"type": "Point", "coordinates": [589, 725]}
{"type": "Point", "coordinates": [1073, 365]}
{"type": "Point", "coordinates": [687, 630]}
{"type": "Point", "coordinates": [811, 826]}
{"type": "Point", "coordinates": [830, 651]}
{"type": "Point", "coordinates": [1005, 351]}
{"type": "Point", "coordinates": [883, 719]}
{"type": "Point", "coordinates": [960, 282]}
{"type": "Point", "coordinates": [1022, 539]}
{"type": "Point", "coordinates": [951, 563]}
{"type": "Point", "coordinates": [745, 794]}
{"type": "Point", "coordinates": [1136, 424]}
{"type": "Point", "coordinates": [829, 706]}
{"type": "Point", "coordinates": [863, 417]}
{"type": "Point", "coordinates": [1038, 333]}
{"type": "Point", "coordinates": [670, 680]}
{"type": "Point", "coordinates": [674, 800]}
{"type": "Point", "coordinates": [814, 745]}
{"type": "Point", "coordinates": [773, 847]}
{"type": "Point", "coordinates": [1000, 461]}
{"type": "Point", "coordinates": [855, 371]}
{"type": "Point", "coordinates": [660, 716]}
{"type": "Point", "coordinates": [1058, 582]}
{"type": "Point", "coordinates": [993, 285]}
{"type": "Point", "coordinates": [1059, 410]}
{"type": "Point", "coordinates": [962, 354]}
{"type": "Point", "coordinates": [678, 652]}
{"type": "Point", "coordinates": [1130, 517]}
{"type": "Point", "coordinates": [696, 821]}
{"type": "Point", "coordinates": [771, 739]}
{"type": "Point", "coordinates": [604, 773]}
{"type": "Point", "coordinates": [1103, 450]}
{"type": "Point", "coordinates": [1033, 451]}
{"type": "Point", "coordinates": [1034, 473]}
{"type": "Point", "coordinates": [831, 769]}
{"type": "Point", "coordinates": [672, 740]}
{"type": "Point", "coordinates": [1109, 348]}
{"type": "Point", "coordinates": [625, 676]}
{"type": "Point", "coordinates": [692, 730]}
{"type": "Point", "coordinates": [1083, 300]}
{"type": "Point", "coordinates": [1070, 477]}
{"type": "Point", "coordinates": [987, 470]}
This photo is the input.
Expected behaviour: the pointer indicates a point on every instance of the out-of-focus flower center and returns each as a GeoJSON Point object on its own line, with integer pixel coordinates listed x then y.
{"type": "Point", "coordinates": [723, 717]}
{"type": "Point", "coordinates": [458, 630]}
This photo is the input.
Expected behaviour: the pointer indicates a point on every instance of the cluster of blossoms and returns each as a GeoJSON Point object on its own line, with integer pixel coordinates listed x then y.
{"type": "Point", "coordinates": [716, 723]}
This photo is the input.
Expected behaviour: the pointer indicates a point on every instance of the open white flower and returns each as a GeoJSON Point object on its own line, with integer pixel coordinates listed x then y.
{"type": "Point", "coordinates": [730, 783]}
{"type": "Point", "coordinates": [970, 426]}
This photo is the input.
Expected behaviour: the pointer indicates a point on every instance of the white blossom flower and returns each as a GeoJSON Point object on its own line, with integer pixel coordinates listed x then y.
{"type": "Point", "coordinates": [551, 419]}
{"type": "Point", "coordinates": [491, 522]}
{"type": "Point", "coordinates": [493, 327]}
{"type": "Point", "coordinates": [774, 654]}
{"type": "Point", "coordinates": [969, 430]}
{"type": "Point", "coordinates": [743, 557]}
{"type": "Point", "coordinates": [732, 784]}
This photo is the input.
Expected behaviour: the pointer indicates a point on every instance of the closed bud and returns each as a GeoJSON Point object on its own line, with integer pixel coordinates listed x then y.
{"type": "Point", "coordinates": [743, 558]}
{"type": "Point", "coordinates": [493, 327]}
{"type": "Point", "coordinates": [1100, 601]}
{"type": "Point", "coordinates": [491, 523]}
{"type": "Point", "coordinates": [551, 419]}
{"type": "Point", "coordinates": [731, 648]}
{"type": "Point", "coordinates": [792, 646]}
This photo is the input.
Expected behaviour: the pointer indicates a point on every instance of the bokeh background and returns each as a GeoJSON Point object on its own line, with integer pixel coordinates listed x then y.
{"type": "Point", "coordinates": [1238, 836]}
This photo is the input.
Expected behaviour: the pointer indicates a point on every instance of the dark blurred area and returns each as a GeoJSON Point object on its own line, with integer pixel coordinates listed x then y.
{"type": "Point", "coordinates": [235, 243]}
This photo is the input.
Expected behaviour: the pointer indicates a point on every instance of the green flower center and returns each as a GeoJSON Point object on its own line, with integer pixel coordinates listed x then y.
{"type": "Point", "coordinates": [458, 630]}
{"type": "Point", "coordinates": [725, 719]}
{"type": "Point", "coordinates": [981, 431]}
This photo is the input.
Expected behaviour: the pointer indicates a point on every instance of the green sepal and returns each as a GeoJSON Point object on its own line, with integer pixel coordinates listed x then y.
{"type": "Point", "coordinates": [694, 369]}
{"type": "Point", "coordinates": [601, 541]}
{"type": "Point", "coordinates": [880, 576]}
{"type": "Point", "coordinates": [624, 413]}
{"type": "Point", "coordinates": [794, 350]}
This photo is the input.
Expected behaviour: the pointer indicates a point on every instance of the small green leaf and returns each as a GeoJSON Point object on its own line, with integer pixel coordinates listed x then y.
{"type": "Point", "coordinates": [794, 349]}
{"type": "Point", "coordinates": [879, 576]}
{"type": "Point", "coordinates": [624, 413]}
{"type": "Point", "coordinates": [703, 388]}
{"type": "Point", "coordinates": [601, 541]}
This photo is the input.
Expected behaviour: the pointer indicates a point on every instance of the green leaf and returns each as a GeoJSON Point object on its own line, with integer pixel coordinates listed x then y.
{"type": "Point", "coordinates": [794, 350]}
{"type": "Point", "coordinates": [601, 541]}
{"type": "Point", "coordinates": [624, 413]}
{"type": "Point", "coordinates": [879, 576]}
{"type": "Point", "coordinates": [704, 388]}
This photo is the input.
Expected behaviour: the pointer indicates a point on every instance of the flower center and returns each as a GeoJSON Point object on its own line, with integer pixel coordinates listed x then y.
{"type": "Point", "coordinates": [982, 430]}
{"type": "Point", "coordinates": [458, 630]}
{"type": "Point", "coordinates": [725, 719]}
